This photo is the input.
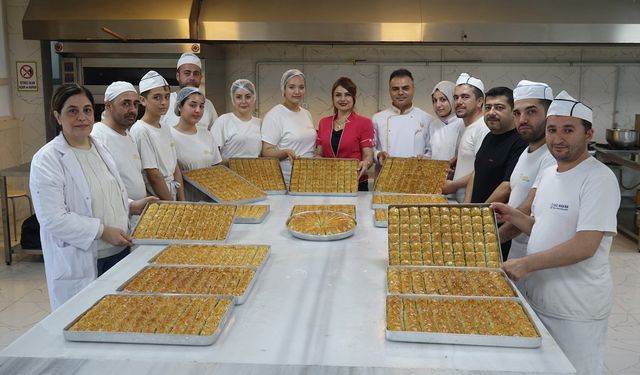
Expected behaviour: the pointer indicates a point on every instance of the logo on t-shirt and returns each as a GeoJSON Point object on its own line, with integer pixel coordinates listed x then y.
{"type": "Point", "coordinates": [559, 206]}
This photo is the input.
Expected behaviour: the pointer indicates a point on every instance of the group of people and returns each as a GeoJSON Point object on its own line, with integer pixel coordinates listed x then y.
{"type": "Point", "coordinates": [521, 150]}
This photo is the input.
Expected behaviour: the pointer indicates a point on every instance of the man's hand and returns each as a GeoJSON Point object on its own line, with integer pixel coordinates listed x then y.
{"type": "Point", "coordinates": [516, 269]}
{"type": "Point", "coordinates": [291, 155]}
{"type": "Point", "coordinates": [116, 236]}
{"type": "Point", "coordinates": [136, 207]}
{"type": "Point", "coordinates": [382, 156]}
{"type": "Point", "coordinates": [503, 211]}
{"type": "Point", "coordinates": [448, 187]}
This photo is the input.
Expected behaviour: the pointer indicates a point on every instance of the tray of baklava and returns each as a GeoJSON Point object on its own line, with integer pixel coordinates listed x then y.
{"type": "Point", "coordinates": [349, 209]}
{"type": "Point", "coordinates": [265, 173]}
{"type": "Point", "coordinates": [488, 321]}
{"type": "Point", "coordinates": [251, 213]}
{"type": "Point", "coordinates": [384, 200]}
{"type": "Point", "coordinates": [443, 235]}
{"type": "Point", "coordinates": [324, 176]}
{"type": "Point", "coordinates": [214, 255]}
{"type": "Point", "coordinates": [152, 319]}
{"type": "Point", "coordinates": [412, 175]}
{"type": "Point", "coordinates": [169, 279]}
{"type": "Point", "coordinates": [166, 222]}
{"type": "Point", "coordinates": [224, 185]}
{"type": "Point", "coordinates": [321, 225]}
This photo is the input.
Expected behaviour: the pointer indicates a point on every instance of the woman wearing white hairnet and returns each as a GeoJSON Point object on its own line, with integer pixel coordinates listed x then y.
{"type": "Point", "coordinates": [287, 129]}
{"type": "Point", "coordinates": [237, 134]}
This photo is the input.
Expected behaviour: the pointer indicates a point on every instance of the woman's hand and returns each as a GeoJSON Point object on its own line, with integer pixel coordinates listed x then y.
{"type": "Point", "coordinates": [116, 236]}
{"type": "Point", "coordinates": [363, 167]}
{"type": "Point", "coordinates": [291, 155]}
{"type": "Point", "coordinates": [382, 156]}
{"type": "Point", "coordinates": [136, 207]}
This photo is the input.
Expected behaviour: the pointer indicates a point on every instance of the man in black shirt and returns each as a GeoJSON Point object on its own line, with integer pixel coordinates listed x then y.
{"type": "Point", "coordinates": [499, 152]}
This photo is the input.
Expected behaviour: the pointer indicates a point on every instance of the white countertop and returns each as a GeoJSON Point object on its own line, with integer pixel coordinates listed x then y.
{"type": "Point", "coordinates": [317, 307]}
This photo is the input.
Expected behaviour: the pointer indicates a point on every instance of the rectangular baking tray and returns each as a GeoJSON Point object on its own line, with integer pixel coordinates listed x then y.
{"type": "Point", "coordinates": [252, 220]}
{"type": "Point", "coordinates": [168, 241]}
{"type": "Point", "coordinates": [239, 300]}
{"type": "Point", "coordinates": [269, 192]}
{"type": "Point", "coordinates": [385, 205]}
{"type": "Point", "coordinates": [326, 194]}
{"type": "Point", "coordinates": [379, 223]}
{"type": "Point", "coordinates": [382, 176]}
{"type": "Point", "coordinates": [467, 339]}
{"type": "Point", "coordinates": [470, 269]}
{"type": "Point", "coordinates": [218, 200]}
{"type": "Point", "coordinates": [260, 266]}
{"type": "Point", "coordinates": [147, 338]}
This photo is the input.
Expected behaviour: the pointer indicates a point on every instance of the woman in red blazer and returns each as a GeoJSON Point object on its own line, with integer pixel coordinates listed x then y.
{"type": "Point", "coordinates": [346, 134]}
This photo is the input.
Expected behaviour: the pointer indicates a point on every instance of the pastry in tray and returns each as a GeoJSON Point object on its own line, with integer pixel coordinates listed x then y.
{"type": "Point", "coordinates": [324, 175]}
{"type": "Point", "coordinates": [213, 255]}
{"type": "Point", "coordinates": [490, 317]}
{"type": "Point", "coordinates": [180, 315]}
{"type": "Point", "coordinates": [412, 175]}
{"type": "Point", "coordinates": [448, 281]}
{"type": "Point", "coordinates": [224, 185]}
{"type": "Point", "coordinates": [321, 223]}
{"type": "Point", "coordinates": [230, 281]}
{"type": "Point", "coordinates": [251, 211]}
{"type": "Point", "coordinates": [184, 221]}
{"type": "Point", "coordinates": [265, 173]}
{"type": "Point", "coordinates": [349, 209]}
{"type": "Point", "coordinates": [389, 199]}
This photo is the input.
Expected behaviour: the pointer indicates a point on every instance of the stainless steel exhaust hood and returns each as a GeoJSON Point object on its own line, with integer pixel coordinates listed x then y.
{"type": "Point", "coordinates": [339, 21]}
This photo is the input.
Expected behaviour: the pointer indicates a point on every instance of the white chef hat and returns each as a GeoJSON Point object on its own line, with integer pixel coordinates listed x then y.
{"type": "Point", "coordinates": [189, 58]}
{"type": "Point", "coordinates": [286, 76]}
{"type": "Point", "coordinates": [151, 80]}
{"type": "Point", "coordinates": [242, 84]}
{"type": "Point", "coordinates": [565, 105]}
{"type": "Point", "coordinates": [468, 80]}
{"type": "Point", "coordinates": [117, 88]}
{"type": "Point", "coordinates": [532, 90]}
{"type": "Point", "coordinates": [183, 94]}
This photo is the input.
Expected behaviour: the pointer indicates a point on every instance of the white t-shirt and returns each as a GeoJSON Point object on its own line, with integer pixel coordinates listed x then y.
{"type": "Point", "coordinates": [125, 153]}
{"type": "Point", "coordinates": [210, 115]}
{"type": "Point", "coordinates": [402, 135]}
{"type": "Point", "coordinates": [584, 198]}
{"type": "Point", "coordinates": [445, 137]}
{"type": "Point", "coordinates": [529, 165]}
{"type": "Point", "coordinates": [157, 151]}
{"type": "Point", "coordinates": [470, 142]}
{"type": "Point", "coordinates": [195, 151]}
{"type": "Point", "coordinates": [237, 138]}
{"type": "Point", "coordinates": [286, 129]}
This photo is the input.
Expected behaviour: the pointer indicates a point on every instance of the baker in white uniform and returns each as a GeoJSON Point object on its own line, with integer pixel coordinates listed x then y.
{"type": "Point", "coordinates": [568, 282]}
{"type": "Point", "coordinates": [189, 74]}
{"type": "Point", "coordinates": [401, 130]}
{"type": "Point", "coordinates": [120, 112]}
{"type": "Point", "coordinates": [446, 130]}
{"type": "Point", "coordinates": [469, 102]}
{"type": "Point", "coordinates": [531, 102]}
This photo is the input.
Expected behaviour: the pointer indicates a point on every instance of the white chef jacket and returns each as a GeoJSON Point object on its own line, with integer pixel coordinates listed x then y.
{"type": "Point", "coordinates": [402, 134]}
{"type": "Point", "coordinates": [68, 231]}
{"type": "Point", "coordinates": [470, 142]}
{"type": "Point", "coordinates": [237, 138]}
{"type": "Point", "coordinates": [124, 150]}
{"type": "Point", "coordinates": [206, 122]}
{"type": "Point", "coordinates": [195, 151]}
{"type": "Point", "coordinates": [444, 136]}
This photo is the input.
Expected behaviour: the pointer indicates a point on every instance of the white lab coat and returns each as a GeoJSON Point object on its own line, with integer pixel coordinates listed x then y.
{"type": "Point", "coordinates": [62, 201]}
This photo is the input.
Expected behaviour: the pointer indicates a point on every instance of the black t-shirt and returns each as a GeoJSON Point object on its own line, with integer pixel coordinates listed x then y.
{"type": "Point", "coordinates": [494, 163]}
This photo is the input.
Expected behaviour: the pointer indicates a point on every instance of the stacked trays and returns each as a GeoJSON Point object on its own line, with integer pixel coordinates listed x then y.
{"type": "Point", "coordinates": [251, 214]}
{"type": "Point", "coordinates": [411, 175]}
{"type": "Point", "coordinates": [165, 222]}
{"type": "Point", "coordinates": [380, 202]}
{"type": "Point", "coordinates": [224, 185]}
{"type": "Point", "coordinates": [320, 176]}
{"type": "Point", "coordinates": [431, 301]}
{"type": "Point", "coordinates": [265, 173]}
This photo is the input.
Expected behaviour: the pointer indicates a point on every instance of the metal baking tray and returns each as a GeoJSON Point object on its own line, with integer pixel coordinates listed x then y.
{"type": "Point", "coordinates": [385, 205]}
{"type": "Point", "coordinates": [251, 220]}
{"type": "Point", "coordinates": [219, 200]}
{"type": "Point", "coordinates": [379, 223]}
{"type": "Point", "coordinates": [168, 241]}
{"type": "Point", "coordinates": [466, 269]}
{"type": "Point", "coordinates": [328, 194]}
{"type": "Point", "coordinates": [317, 237]}
{"type": "Point", "coordinates": [147, 338]}
{"type": "Point", "coordinates": [239, 300]}
{"type": "Point", "coordinates": [385, 175]}
{"type": "Point", "coordinates": [260, 266]}
{"type": "Point", "coordinates": [269, 192]}
{"type": "Point", "coordinates": [467, 339]}
{"type": "Point", "coordinates": [323, 207]}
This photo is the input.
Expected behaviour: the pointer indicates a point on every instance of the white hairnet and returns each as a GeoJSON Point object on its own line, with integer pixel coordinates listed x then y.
{"type": "Point", "coordinates": [183, 94]}
{"type": "Point", "coordinates": [288, 75]}
{"type": "Point", "coordinates": [242, 84]}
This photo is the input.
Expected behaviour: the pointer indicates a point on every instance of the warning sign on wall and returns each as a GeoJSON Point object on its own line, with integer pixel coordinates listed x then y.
{"type": "Point", "coordinates": [27, 76]}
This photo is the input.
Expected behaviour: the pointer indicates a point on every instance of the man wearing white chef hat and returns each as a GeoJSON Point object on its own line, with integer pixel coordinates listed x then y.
{"type": "Point", "coordinates": [189, 74]}
{"type": "Point", "coordinates": [468, 97]}
{"type": "Point", "coordinates": [572, 224]}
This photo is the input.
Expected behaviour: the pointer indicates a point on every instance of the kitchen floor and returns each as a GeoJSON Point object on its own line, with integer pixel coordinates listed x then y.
{"type": "Point", "coordinates": [24, 302]}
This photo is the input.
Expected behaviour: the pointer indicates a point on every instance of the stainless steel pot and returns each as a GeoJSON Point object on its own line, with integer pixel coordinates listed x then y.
{"type": "Point", "coordinates": [622, 138]}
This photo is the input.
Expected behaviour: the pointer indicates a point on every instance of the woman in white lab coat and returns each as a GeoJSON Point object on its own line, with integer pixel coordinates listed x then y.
{"type": "Point", "coordinates": [79, 198]}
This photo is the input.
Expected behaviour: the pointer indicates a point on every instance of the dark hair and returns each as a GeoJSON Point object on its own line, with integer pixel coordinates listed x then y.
{"type": "Point", "coordinates": [545, 103]}
{"type": "Point", "coordinates": [587, 125]}
{"type": "Point", "coordinates": [63, 93]}
{"type": "Point", "coordinates": [400, 73]}
{"type": "Point", "coordinates": [476, 91]}
{"type": "Point", "coordinates": [348, 85]}
{"type": "Point", "coordinates": [501, 91]}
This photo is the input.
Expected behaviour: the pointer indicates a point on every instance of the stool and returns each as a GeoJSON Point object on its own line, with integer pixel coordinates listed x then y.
{"type": "Point", "coordinates": [13, 195]}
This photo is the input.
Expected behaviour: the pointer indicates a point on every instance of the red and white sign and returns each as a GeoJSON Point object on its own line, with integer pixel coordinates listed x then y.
{"type": "Point", "coordinates": [27, 76]}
